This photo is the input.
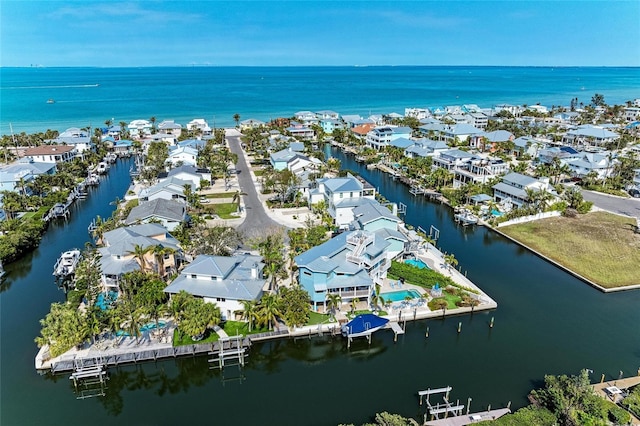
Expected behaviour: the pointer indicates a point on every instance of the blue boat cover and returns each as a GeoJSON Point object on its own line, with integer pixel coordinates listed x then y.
{"type": "Point", "coordinates": [363, 323]}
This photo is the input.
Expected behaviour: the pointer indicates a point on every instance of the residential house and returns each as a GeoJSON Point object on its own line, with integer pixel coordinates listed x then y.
{"type": "Point", "coordinates": [280, 160]}
{"type": "Point", "coordinates": [76, 137]}
{"type": "Point", "coordinates": [632, 114]}
{"type": "Point", "coordinates": [477, 120]}
{"type": "Point", "coordinates": [327, 115]}
{"type": "Point", "coordinates": [372, 216]}
{"type": "Point", "coordinates": [527, 145]}
{"type": "Point", "coordinates": [139, 128]}
{"type": "Point", "coordinates": [251, 123]}
{"type": "Point", "coordinates": [339, 195]}
{"type": "Point", "coordinates": [348, 265]}
{"type": "Point", "coordinates": [170, 189]}
{"type": "Point", "coordinates": [199, 125]}
{"type": "Point", "coordinates": [478, 170]}
{"type": "Point", "coordinates": [180, 155]}
{"type": "Point", "coordinates": [117, 255]}
{"type": "Point", "coordinates": [330, 124]}
{"type": "Point", "coordinates": [562, 153]}
{"type": "Point", "coordinates": [513, 188]}
{"type": "Point", "coordinates": [122, 147]}
{"type": "Point", "coordinates": [588, 135]}
{"type": "Point", "coordinates": [15, 176]}
{"type": "Point", "coordinates": [51, 153]}
{"type": "Point", "coordinates": [419, 113]}
{"type": "Point", "coordinates": [451, 158]}
{"type": "Point", "coordinates": [169, 213]}
{"type": "Point", "coordinates": [588, 162]}
{"type": "Point", "coordinates": [361, 130]}
{"type": "Point", "coordinates": [226, 281]}
{"type": "Point", "coordinates": [170, 127]}
{"type": "Point", "coordinates": [306, 117]}
{"type": "Point", "coordinates": [382, 136]}
{"type": "Point", "coordinates": [188, 173]}
{"type": "Point", "coordinates": [457, 133]}
{"type": "Point", "coordinates": [300, 131]}
{"type": "Point", "coordinates": [425, 148]}
{"type": "Point", "coordinates": [351, 120]}
{"type": "Point", "coordinates": [489, 141]}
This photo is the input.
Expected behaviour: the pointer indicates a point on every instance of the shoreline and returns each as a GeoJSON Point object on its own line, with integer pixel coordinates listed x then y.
{"type": "Point", "coordinates": [443, 200]}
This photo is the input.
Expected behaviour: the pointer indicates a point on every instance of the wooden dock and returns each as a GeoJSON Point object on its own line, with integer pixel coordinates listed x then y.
{"type": "Point", "coordinates": [118, 356]}
{"type": "Point", "coordinates": [470, 418]}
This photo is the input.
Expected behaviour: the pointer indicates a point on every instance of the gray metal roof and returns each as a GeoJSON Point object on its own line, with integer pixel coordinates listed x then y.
{"type": "Point", "coordinates": [160, 207]}
{"type": "Point", "coordinates": [343, 184]}
{"type": "Point", "coordinates": [236, 281]}
{"type": "Point", "coordinates": [372, 210]}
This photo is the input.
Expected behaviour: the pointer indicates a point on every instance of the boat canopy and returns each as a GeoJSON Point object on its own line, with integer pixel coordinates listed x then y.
{"type": "Point", "coordinates": [363, 323]}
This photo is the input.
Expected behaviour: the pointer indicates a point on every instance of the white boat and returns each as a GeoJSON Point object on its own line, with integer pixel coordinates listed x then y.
{"type": "Point", "coordinates": [103, 167]}
{"type": "Point", "coordinates": [66, 264]}
{"type": "Point", "coordinates": [2, 272]}
{"type": "Point", "coordinates": [466, 218]}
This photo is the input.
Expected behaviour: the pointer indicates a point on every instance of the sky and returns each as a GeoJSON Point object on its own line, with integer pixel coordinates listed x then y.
{"type": "Point", "coordinates": [308, 33]}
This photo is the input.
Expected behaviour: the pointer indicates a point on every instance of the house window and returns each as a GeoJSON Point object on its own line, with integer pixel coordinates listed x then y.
{"type": "Point", "coordinates": [341, 195]}
{"type": "Point", "coordinates": [194, 276]}
{"type": "Point", "coordinates": [221, 299]}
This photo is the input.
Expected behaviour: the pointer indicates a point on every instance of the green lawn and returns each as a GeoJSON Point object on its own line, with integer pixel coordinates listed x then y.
{"type": "Point", "coordinates": [181, 340]}
{"type": "Point", "coordinates": [259, 172]}
{"type": "Point", "coordinates": [223, 210]}
{"type": "Point", "coordinates": [316, 318]}
{"type": "Point", "coordinates": [235, 328]}
{"type": "Point", "coordinates": [220, 195]}
{"type": "Point", "coordinates": [599, 246]}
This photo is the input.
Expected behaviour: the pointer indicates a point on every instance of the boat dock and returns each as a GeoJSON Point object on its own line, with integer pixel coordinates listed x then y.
{"type": "Point", "coordinates": [133, 353]}
{"type": "Point", "coordinates": [453, 412]}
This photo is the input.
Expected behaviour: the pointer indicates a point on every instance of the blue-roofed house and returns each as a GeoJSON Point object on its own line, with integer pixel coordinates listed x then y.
{"type": "Point", "coordinates": [170, 127]}
{"type": "Point", "coordinates": [589, 162]}
{"type": "Point", "coordinates": [168, 213]}
{"type": "Point", "coordinates": [196, 144]}
{"type": "Point", "coordinates": [349, 264]}
{"type": "Point", "coordinates": [16, 174]}
{"type": "Point", "coordinates": [226, 281]}
{"type": "Point", "coordinates": [458, 133]}
{"type": "Point", "coordinates": [117, 253]}
{"type": "Point", "coordinates": [330, 124]}
{"type": "Point", "coordinates": [122, 147]}
{"type": "Point", "coordinates": [402, 143]}
{"type": "Point", "coordinates": [76, 137]}
{"type": "Point", "coordinates": [279, 160]}
{"type": "Point", "coordinates": [451, 158]}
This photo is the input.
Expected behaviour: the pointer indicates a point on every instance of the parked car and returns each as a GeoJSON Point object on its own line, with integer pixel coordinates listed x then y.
{"type": "Point", "coordinates": [634, 192]}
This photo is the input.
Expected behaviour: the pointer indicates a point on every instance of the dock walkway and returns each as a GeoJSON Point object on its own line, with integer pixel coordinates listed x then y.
{"type": "Point", "coordinates": [470, 418]}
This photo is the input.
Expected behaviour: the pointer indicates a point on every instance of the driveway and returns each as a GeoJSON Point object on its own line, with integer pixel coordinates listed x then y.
{"type": "Point", "coordinates": [256, 220]}
{"type": "Point", "coordinates": [613, 204]}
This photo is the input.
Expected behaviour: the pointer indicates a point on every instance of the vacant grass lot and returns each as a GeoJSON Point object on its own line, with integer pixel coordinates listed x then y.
{"type": "Point", "coordinates": [601, 247]}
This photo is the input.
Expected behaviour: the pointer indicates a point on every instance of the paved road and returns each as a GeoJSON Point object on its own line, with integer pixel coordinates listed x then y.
{"type": "Point", "coordinates": [256, 220]}
{"type": "Point", "coordinates": [619, 205]}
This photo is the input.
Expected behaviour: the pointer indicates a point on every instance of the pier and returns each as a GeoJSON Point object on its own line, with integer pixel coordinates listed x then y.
{"type": "Point", "coordinates": [454, 413]}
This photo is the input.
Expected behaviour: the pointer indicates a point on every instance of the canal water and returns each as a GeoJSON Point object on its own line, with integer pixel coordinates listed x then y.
{"type": "Point", "coordinates": [547, 322]}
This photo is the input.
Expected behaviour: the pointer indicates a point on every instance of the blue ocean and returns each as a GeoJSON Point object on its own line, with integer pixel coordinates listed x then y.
{"type": "Point", "coordinates": [89, 96]}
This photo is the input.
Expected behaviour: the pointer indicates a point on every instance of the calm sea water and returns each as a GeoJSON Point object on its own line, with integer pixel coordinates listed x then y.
{"type": "Point", "coordinates": [548, 322]}
{"type": "Point", "coordinates": [90, 96]}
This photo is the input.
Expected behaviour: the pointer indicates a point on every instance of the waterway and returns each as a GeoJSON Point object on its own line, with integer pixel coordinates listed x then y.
{"type": "Point", "coordinates": [547, 322]}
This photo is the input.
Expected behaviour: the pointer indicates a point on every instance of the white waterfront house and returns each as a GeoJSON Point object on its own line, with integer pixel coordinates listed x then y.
{"type": "Point", "coordinates": [226, 281]}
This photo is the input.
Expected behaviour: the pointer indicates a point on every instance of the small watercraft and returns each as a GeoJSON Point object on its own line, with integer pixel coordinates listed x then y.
{"type": "Point", "coordinates": [66, 264]}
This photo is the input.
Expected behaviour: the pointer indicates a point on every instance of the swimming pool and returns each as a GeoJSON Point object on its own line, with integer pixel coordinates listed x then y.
{"type": "Point", "coordinates": [147, 327]}
{"type": "Point", "coordinates": [104, 300]}
{"type": "Point", "coordinates": [398, 296]}
{"type": "Point", "coordinates": [417, 263]}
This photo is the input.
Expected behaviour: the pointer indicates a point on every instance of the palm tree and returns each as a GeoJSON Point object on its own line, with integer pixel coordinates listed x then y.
{"type": "Point", "coordinates": [139, 253]}
{"type": "Point", "coordinates": [354, 304]}
{"type": "Point", "coordinates": [249, 312]}
{"type": "Point", "coordinates": [333, 302]}
{"type": "Point", "coordinates": [450, 260]}
{"type": "Point", "coordinates": [269, 309]}
{"type": "Point", "coordinates": [376, 299]}
{"type": "Point", "coordinates": [236, 118]}
{"type": "Point", "coordinates": [237, 197]}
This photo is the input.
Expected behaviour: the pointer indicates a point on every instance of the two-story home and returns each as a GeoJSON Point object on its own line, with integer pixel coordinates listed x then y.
{"type": "Point", "coordinates": [76, 137]}
{"type": "Point", "coordinates": [170, 127]}
{"type": "Point", "coordinates": [478, 170]}
{"type": "Point", "coordinates": [51, 153]}
{"type": "Point", "coordinates": [382, 136]}
{"type": "Point", "coordinates": [330, 124]}
{"type": "Point", "coordinates": [349, 265]}
{"type": "Point", "coordinates": [139, 128]}
{"type": "Point", "coordinates": [339, 195]}
{"type": "Point", "coordinates": [588, 162]}
{"type": "Point", "coordinates": [226, 281]}
{"type": "Point", "coordinates": [419, 113]}
{"type": "Point", "coordinates": [588, 135]}
{"type": "Point", "coordinates": [451, 158]}
{"type": "Point", "coordinates": [118, 253]}
{"type": "Point", "coordinates": [182, 156]}
{"type": "Point", "coordinates": [191, 174]}
{"type": "Point", "coordinates": [251, 123]}
{"type": "Point", "coordinates": [279, 160]}
{"type": "Point", "coordinates": [199, 125]}
{"type": "Point", "coordinates": [457, 133]}
{"type": "Point", "coordinates": [514, 186]}
{"type": "Point", "coordinates": [300, 131]}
